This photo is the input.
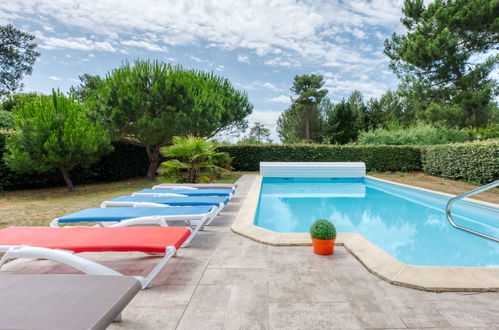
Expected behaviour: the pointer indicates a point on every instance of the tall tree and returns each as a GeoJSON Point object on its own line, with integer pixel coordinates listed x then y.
{"type": "Point", "coordinates": [448, 54]}
{"type": "Point", "coordinates": [341, 124]}
{"type": "Point", "coordinates": [258, 134]}
{"type": "Point", "coordinates": [149, 102]}
{"type": "Point", "coordinates": [53, 132]}
{"type": "Point", "coordinates": [302, 121]}
{"type": "Point", "coordinates": [310, 93]}
{"type": "Point", "coordinates": [87, 89]}
{"type": "Point", "coordinates": [17, 57]}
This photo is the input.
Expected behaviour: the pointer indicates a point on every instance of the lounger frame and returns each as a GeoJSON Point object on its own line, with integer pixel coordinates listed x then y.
{"type": "Point", "coordinates": [196, 222]}
{"type": "Point", "coordinates": [84, 265]}
{"type": "Point", "coordinates": [162, 193]}
{"type": "Point", "coordinates": [111, 203]}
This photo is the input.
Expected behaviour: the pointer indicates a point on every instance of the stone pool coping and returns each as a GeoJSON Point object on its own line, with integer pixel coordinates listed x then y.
{"type": "Point", "coordinates": [375, 259]}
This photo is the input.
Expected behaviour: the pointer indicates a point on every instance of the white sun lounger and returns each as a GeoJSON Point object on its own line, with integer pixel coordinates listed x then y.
{"type": "Point", "coordinates": [173, 186]}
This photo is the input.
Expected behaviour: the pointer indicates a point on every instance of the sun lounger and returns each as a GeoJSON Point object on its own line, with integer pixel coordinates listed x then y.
{"type": "Point", "coordinates": [64, 301]}
{"type": "Point", "coordinates": [195, 216]}
{"type": "Point", "coordinates": [174, 186]}
{"type": "Point", "coordinates": [186, 192]}
{"type": "Point", "coordinates": [59, 244]}
{"type": "Point", "coordinates": [135, 201]}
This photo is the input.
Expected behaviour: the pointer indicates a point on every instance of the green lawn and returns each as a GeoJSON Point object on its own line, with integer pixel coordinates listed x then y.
{"type": "Point", "coordinates": [37, 207]}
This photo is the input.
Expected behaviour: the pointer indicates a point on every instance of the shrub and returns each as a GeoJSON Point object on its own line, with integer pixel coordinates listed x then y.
{"type": "Point", "coordinates": [420, 134]}
{"type": "Point", "coordinates": [323, 229]}
{"type": "Point", "coordinates": [53, 132]}
{"type": "Point", "coordinates": [491, 131]}
{"type": "Point", "coordinates": [473, 162]}
{"type": "Point", "coordinates": [126, 161]}
{"type": "Point", "coordinates": [195, 159]}
{"type": "Point", "coordinates": [6, 119]}
{"type": "Point", "coordinates": [377, 158]}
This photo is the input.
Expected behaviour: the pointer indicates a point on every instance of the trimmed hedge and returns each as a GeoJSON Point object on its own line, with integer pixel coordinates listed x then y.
{"type": "Point", "coordinates": [473, 162]}
{"type": "Point", "coordinates": [126, 161]}
{"type": "Point", "coordinates": [377, 158]}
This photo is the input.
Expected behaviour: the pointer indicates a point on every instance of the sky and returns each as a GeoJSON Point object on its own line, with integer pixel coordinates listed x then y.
{"type": "Point", "coordinates": [260, 45]}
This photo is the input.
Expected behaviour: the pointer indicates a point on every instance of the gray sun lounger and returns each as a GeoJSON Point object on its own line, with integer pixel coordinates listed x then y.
{"type": "Point", "coordinates": [64, 301]}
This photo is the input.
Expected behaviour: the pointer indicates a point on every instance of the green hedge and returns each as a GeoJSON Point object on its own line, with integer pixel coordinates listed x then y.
{"type": "Point", "coordinates": [473, 162]}
{"type": "Point", "coordinates": [377, 158]}
{"type": "Point", "coordinates": [126, 161]}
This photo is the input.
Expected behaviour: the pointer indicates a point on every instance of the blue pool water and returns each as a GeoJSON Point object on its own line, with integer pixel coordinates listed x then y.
{"type": "Point", "coordinates": [410, 224]}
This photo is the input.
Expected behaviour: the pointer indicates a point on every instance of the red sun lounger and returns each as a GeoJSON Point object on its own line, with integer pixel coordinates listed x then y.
{"type": "Point", "coordinates": [59, 244]}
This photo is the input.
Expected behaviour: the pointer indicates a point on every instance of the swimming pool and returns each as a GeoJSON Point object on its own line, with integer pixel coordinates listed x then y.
{"type": "Point", "coordinates": [408, 223]}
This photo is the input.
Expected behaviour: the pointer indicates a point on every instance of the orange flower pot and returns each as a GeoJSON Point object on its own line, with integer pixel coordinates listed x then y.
{"type": "Point", "coordinates": [323, 246]}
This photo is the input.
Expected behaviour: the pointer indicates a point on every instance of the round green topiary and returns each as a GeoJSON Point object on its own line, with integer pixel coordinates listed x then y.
{"type": "Point", "coordinates": [323, 229]}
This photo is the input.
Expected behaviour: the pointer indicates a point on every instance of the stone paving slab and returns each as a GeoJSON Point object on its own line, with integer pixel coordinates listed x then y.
{"type": "Point", "coordinates": [226, 281]}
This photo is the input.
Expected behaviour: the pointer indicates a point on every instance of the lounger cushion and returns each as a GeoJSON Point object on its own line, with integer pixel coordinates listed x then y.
{"type": "Point", "coordinates": [123, 213]}
{"type": "Point", "coordinates": [174, 201]}
{"type": "Point", "coordinates": [96, 239]}
{"type": "Point", "coordinates": [63, 301]}
{"type": "Point", "coordinates": [190, 192]}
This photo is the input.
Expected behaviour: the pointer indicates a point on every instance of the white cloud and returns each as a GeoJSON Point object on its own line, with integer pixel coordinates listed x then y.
{"type": "Point", "coordinates": [55, 78]}
{"type": "Point", "coordinates": [285, 32]}
{"type": "Point", "coordinates": [243, 58]}
{"type": "Point", "coordinates": [144, 44]}
{"type": "Point", "coordinates": [272, 87]}
{"type": "Point", "coordinates": [280, 99]}
{"type": "Point", "coordinates": [195, 58]}
{"type": "Point", "coordinates": [77, 43]}
{"type": "Point", "coordinates": [220, 68]}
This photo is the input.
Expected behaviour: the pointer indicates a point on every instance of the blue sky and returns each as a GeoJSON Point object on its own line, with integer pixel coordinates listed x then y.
{"type": "Point", "coordinates": [259, 45]}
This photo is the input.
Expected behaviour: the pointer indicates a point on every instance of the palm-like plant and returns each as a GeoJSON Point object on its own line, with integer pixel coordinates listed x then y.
{"type": "Point", "coordinates": [193, 159]}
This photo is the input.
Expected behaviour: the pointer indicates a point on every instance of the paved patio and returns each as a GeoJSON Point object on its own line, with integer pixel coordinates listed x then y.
{"type": "Point", "coordinates": [225, 281]}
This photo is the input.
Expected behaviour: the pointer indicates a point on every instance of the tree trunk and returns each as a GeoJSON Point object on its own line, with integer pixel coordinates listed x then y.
{"type": "Point", "coordinates": [307, 125]}
{"type": "Point", "coordinates": [153, 154]}
{"type": "Point", "coordinates": [191, 176]}
{"type": "Point", "coordinates": [67, 179]}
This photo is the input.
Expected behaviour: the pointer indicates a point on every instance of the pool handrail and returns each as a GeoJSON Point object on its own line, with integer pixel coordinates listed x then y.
{"type": "Point", "coordinates": [466, 194]}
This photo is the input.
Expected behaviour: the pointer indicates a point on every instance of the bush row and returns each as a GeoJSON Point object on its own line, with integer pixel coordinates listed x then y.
{"type": "Point", "coordinates": [377, 158]}
{"type": "Point", "coordinates": [125, 161]}
{"type": "Point", "coordinates": [476, 162]}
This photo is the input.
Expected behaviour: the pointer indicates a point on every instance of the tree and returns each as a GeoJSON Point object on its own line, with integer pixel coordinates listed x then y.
{"type": "Point", "coordinates": [17, 57]}
{"type": "Point", "coordinates": [149, 102]}
{"type": "Point", "coordinates": [310, 94]}
{"type": "Point", "coordinates": [195, 159]}
{"type": "Point", "coordinates": [447, 55]}
{"type": "Point", "coordinates": [258, 134]}
{"type": "Point", "coordinates": [87, 89]}
{"type": "Point", "coordinates": [341, 124]}
{"type": "Point", "coordinates": [53, 132]}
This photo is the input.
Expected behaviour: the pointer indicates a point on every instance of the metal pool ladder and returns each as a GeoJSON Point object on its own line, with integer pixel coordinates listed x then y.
{"type": "Point", "coordinates": [469, 193]}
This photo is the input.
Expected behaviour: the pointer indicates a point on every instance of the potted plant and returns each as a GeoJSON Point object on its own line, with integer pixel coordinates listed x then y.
{"type": "Point", "coordinates": [323, 235]}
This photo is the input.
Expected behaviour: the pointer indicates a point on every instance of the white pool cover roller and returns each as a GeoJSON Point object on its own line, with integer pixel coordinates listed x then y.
{"type": "Point", "coordinates": [313, 169]}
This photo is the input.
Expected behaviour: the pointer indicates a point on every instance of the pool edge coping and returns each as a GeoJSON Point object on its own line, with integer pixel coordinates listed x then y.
{"type": "Point", "coordinates": [375, 259]}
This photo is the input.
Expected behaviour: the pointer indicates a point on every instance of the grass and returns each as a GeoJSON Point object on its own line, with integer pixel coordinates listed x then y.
{"type": "Point", "coordinates": [419, 179]}
{"type": "Point", "coordinates": [38, 207]}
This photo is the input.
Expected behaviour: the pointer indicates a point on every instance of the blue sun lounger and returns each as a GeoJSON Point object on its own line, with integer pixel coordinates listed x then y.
{"type": "Point", "coordinates": [196, 217]}
{"type": "Point", "coordinates": [185, 192]}
{"type": "Point", "coordinates": [135, 201]}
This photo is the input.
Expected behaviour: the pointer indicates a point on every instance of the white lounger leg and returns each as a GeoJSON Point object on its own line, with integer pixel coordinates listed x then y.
{"type": "Point", "coordinates": [65, 257]}
{"type": "Point", "coordinates": [84, 265]}
{"type": "Point", "coordinates": [169, 252]}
